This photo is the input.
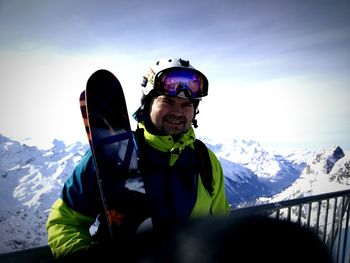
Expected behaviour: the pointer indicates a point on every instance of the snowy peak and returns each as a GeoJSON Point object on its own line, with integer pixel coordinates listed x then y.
{"type": "Point", "coordinates": [251, 171]}
{"type": "Point", "coordinates": [340, 171]}
{"type": "Point", "coordinates": [248, 153]}
{"type": "Point", "coordinates": [31, 180]}
{"type": "Point", "coordinates": [325, 171]}
{"type": "Point", "coordinates": [324, 161]}
{"type": "Point", "coordinates": [13, 154]}
{"type": "Point", "coordinates": [328, 158]}
{"type": "Point", "coordinates": [32, 173]}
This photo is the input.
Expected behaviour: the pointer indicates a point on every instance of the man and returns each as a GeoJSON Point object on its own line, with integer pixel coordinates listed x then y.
{"type": "Point", "coordinates": [174, 190]}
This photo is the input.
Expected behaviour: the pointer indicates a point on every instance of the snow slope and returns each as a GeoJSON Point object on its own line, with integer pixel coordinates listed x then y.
{"type": "Point", "coordinates": [31, 180]}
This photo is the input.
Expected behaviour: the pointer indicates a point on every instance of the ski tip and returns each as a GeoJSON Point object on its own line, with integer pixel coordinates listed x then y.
{"type": "Point", "coordinates": [82, 97]}
{"type": "Point", "coordinates": [102, 73]}
{"type": "Point", "coordinates": [102, 77]}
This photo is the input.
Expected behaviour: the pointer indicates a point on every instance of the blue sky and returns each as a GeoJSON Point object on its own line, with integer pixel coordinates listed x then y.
{"type": "Point", "coordinates": [279, 71]}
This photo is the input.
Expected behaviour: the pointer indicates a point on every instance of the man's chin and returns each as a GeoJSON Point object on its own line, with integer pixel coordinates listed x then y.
{"type": "Point", "coordinates": [175, 131]}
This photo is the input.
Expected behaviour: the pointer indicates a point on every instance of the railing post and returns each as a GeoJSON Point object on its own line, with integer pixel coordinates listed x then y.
{"type": "Point", "coordinates": [346, 230]}
{"type": "Point", "coordinates": [325, 222]}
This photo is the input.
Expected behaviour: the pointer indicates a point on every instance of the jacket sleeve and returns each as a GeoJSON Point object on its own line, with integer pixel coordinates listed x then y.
{"type": "Point", "coordinates": [215, 203]}
{"type": "Point", "coordinates": [75, 211]}
{"type": "Point", "coordinates": [220, 204]}
{"type": "Point", "coordinates": [68, 230]}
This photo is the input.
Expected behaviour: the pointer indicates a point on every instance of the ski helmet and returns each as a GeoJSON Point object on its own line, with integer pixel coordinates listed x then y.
{"type": "Point", "coordinates": [174, 68]}
{"type": "Point", "coordinates": [173, 77]}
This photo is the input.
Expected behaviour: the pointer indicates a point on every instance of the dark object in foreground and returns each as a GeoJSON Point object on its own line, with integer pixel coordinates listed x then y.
{"type": "Point", "coordinates": [231, 239]}
{"type": "Point", "coordinates": [243, 239]}
{"type": "Point", "coordinates": [247, 239]}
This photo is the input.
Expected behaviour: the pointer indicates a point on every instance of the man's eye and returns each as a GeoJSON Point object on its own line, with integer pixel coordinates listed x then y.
{"type": "Point", "coordinates": [167, 101]}
{"type": "Point", "coordinates": [188, 105]}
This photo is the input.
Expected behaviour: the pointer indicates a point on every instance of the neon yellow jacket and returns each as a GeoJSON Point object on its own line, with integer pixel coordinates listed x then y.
{"type": "Point", "coordinates": [72, 214]}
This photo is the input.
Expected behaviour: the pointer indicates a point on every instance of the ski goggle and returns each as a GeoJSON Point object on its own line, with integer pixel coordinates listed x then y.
{"type": "Point", "coordinates": [173, 81]}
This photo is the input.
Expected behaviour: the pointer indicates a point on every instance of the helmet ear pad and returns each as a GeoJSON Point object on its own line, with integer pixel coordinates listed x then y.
{"type": "Point", "coordinates": [143, 112]}
{"type": "Point", "coordinates": [146, 101]}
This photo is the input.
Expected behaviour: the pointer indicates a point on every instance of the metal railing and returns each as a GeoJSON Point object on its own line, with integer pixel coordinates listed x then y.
{"type": "Point", "coordinates": [327, 215]}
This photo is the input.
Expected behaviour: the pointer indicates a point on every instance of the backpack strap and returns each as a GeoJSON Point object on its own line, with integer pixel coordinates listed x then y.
{"type": "Point", "coordinates": [205, 168]}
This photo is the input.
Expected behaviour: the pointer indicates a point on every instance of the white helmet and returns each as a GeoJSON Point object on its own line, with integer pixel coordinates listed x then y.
{"type": "Point", "coordinates": [161, 67]}
{"type": "Point", "coordinates": [172, 77]}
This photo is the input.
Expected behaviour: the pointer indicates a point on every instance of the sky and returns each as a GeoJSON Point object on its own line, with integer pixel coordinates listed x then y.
{"type": "Point", "coordinates": [278, 71]}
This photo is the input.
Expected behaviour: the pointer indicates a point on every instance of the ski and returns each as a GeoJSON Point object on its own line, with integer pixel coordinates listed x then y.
{"type": "Point", "coordinates": [114, 151]}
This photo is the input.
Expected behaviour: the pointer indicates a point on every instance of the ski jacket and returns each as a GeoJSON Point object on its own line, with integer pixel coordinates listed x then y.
{"type": "Point", "coordinates": [171, 182]}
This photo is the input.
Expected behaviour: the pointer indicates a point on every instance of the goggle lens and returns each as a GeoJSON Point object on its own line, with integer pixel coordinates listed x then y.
{"type": "Point", "coordinates": [191, 82]}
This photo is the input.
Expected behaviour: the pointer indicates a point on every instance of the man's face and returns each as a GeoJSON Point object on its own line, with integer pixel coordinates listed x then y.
{"type": "Point", "coordinates": [171, 115]}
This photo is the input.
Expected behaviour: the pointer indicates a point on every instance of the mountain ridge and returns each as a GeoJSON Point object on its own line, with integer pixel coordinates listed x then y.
{"type": "Point", "coordinates": [32, 178]}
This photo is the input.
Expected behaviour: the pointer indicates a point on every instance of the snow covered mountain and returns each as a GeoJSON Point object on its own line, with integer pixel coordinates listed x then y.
{"type": "Point", "coordinates": [31, 180]}
{"type": "Point", "coordinates": [325, 171]}
{"type": "Point", "coordinates": [263, 176]}
{"type": "Point", "coordinates": [252, 172]}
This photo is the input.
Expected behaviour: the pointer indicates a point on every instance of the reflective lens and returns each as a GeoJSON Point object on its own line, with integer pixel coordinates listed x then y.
{"type": "Point", "coordinates": [171, 82]}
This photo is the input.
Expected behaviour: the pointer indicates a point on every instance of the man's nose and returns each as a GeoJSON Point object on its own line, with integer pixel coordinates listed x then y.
{"type": "Point", "coordinates": [177, 109]}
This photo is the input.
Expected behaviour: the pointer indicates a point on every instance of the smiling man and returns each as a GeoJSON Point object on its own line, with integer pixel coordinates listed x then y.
{"type": "Point", "coordinates": [174, 178]}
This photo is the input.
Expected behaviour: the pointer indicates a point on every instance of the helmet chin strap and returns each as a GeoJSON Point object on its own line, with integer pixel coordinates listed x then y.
{"type": "Point", "coordinates": [194, 121]}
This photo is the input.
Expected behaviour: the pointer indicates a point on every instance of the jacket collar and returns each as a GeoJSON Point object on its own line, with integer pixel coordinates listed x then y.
{"type": "Point", "coordinates": [166, 143]}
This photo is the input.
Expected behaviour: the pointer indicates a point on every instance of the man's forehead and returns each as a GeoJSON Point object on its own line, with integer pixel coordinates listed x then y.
{"type": "Point", "coordinates": [174, 98]}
